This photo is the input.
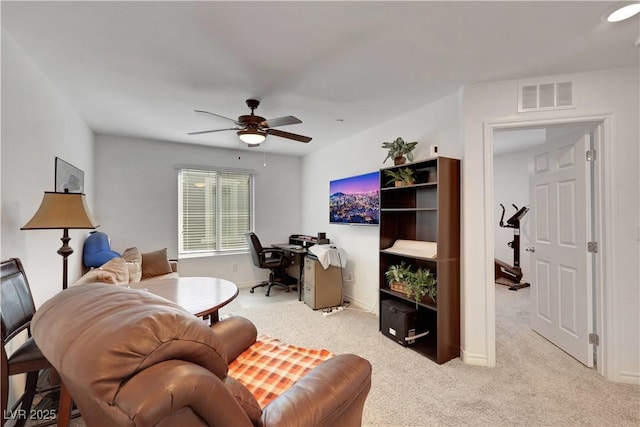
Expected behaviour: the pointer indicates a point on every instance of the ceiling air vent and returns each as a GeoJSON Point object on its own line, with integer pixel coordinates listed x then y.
{"type": "Point", "coordinates": [545, 96]}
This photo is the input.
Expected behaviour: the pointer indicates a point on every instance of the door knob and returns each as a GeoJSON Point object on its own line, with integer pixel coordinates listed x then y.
{"type": "Point", "coordinates": [530, 249]}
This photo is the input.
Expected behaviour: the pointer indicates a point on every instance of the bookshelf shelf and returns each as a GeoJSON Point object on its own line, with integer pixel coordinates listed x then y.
{"type": "Point", "coordinates": [422, 217]}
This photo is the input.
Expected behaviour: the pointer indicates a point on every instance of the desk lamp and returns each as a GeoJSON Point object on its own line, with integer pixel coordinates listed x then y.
{"type": "Point", "coordinates": [62, 211]}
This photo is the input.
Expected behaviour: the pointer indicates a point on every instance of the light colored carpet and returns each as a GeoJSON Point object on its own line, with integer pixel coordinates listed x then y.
{"type": "Point", "coordinates": [533, 384]}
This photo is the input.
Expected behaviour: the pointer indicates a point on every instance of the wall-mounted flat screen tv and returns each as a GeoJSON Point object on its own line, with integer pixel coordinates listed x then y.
{"type": "Point", "coordinates": [355, 200]}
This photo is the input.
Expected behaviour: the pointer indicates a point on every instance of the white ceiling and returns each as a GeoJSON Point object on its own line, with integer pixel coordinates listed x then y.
{"type": "Point", "coordinates": [141, 68]}
{"type": "Point", "coordinates": [513, 140]}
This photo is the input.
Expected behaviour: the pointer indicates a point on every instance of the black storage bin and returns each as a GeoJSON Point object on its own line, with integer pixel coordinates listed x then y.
{"type": "Point", "coordinates": [399, 321]}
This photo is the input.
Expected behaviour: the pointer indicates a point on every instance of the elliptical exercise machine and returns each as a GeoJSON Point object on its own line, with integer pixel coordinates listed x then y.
{"type": "Point", "coordinates": [511, 275]}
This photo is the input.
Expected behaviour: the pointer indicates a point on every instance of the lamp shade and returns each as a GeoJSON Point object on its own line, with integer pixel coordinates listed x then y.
{"type": "Point", "coordinates": [251, 137]}
{"type": "Point", "coordinates": [61, 210]}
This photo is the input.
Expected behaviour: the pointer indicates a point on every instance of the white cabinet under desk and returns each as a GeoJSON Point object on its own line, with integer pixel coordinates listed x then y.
{"type": "Point", "coordinates": [322, 288]}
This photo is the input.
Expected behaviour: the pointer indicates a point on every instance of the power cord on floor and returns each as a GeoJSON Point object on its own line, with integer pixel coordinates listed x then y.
{"type": "Point", "coordinates": [332, 310]}
{"type": "Point", "coordinates": [371, 311]}
{"type": "Point", "coordinates": [346, 305]}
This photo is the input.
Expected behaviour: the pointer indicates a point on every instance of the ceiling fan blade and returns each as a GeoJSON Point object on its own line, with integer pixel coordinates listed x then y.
{"type": "Point", "coordinates": [210, 131]}
{"type": "Point", "coordinates": [280, 121]}
{"type": "Point", "coordinates": [288, 135]}
{"type": "Point", "coordinates": [217, 115]}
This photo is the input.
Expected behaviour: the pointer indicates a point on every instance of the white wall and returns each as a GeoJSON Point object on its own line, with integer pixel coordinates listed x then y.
{"type": "Point", "coordinates": [38, 124]}
{"type": "Point", "coordinates": [607, 92]}
{"type": "Point", "coordinates": [511, 185]}
{"type": "Point", "coordinates": [137, 199]}
{"type": "Point", "coordinates": [437, 123]}
{"type": "Point", "coordinates": [135, 192]}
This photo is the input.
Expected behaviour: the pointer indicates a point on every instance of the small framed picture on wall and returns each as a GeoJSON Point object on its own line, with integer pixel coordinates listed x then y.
{"type": "Point", "coordinates": [69, 179]}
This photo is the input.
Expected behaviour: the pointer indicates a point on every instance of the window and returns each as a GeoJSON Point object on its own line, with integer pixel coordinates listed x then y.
{"type": "Point", "coordinates": [215, 209]}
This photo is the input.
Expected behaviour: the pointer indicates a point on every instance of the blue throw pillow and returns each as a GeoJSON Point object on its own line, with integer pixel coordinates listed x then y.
{"type": "Point", "coordinates": [97, 250]}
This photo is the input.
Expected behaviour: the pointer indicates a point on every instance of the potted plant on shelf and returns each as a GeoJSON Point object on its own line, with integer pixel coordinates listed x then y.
{"type": "Point", "coordinates": [397, 276]}
{"type": "Point", "coordinates": [399, 150]}
{"type": "Point", "coordinates": [420, 283]}
{"type": "Point", "coordinates": [401, 177]}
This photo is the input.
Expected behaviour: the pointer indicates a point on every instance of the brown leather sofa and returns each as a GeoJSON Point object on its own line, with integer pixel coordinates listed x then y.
{"type": "Point", "coordinates": [130, 358]}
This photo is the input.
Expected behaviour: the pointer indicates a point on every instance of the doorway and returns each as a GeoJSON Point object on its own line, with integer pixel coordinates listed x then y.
{"type": "Point", "coordinates": [512, 144]}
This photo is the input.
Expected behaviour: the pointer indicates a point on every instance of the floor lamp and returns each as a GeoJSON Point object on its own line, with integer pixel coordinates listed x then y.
{"type": "Point", "coordinates": [62, 211]}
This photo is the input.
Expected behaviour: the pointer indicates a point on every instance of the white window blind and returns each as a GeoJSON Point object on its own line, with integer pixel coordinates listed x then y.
{"type": "Point", "coordinates": [215, 209]}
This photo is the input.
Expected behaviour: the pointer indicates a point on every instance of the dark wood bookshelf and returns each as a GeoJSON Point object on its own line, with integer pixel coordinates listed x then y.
{"type": "Point", "coordinates": [427, 211]}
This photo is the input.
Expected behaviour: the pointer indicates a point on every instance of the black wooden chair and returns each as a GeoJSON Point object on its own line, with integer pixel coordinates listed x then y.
{"type": "Point", "coordinates": [17, 309]}
{"type": "Point", "coordinates": [272, 258]}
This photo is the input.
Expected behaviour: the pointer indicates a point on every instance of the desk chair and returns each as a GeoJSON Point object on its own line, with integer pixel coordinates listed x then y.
{"type": "Point", "coordinates": [17, 310]}
{"type": "Point", "coordinates": [272, 258]}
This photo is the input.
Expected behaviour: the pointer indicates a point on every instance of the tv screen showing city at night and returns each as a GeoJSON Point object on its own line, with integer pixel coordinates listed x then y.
{"type": "Point", "coordinates": [355, 200]}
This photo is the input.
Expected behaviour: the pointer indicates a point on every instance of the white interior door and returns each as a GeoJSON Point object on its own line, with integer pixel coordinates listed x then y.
{"type": "Point", "coordinates": [561, 282]}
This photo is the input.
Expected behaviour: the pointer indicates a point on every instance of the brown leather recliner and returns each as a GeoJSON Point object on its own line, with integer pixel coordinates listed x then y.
{"type": "Point", "coordinates": [131, 358]}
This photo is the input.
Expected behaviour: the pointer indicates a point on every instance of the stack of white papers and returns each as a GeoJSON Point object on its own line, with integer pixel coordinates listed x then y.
{"type": "Point", "coordinates": [414, 248]}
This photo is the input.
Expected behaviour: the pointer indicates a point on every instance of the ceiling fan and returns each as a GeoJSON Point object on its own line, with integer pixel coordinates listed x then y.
{"type": "Point", "coordinates": [254, 129]}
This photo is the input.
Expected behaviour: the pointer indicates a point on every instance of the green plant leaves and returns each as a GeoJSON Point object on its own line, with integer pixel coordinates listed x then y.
{"type": "Point", "coordinates": [418, 283]}
{"type": "Point", "coordinates": [404, 175]}
{"type": "Point", "coordinates": [399, 148]}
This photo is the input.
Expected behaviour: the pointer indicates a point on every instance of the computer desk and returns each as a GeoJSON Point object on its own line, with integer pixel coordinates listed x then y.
{"type": "Point", "coordinates": [298, 252]}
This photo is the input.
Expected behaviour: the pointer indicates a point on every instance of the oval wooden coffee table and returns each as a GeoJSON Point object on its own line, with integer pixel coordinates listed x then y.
{"type": "Point", "coordinates": [201, 296]}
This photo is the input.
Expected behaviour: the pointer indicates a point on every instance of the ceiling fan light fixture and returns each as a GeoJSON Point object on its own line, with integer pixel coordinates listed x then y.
{"type": "Point", "coordinates": [253, 130]}
{"type": "Point", "coordinates": [252, 137]}
{"type": "Point", "coordinates": [623, 11]}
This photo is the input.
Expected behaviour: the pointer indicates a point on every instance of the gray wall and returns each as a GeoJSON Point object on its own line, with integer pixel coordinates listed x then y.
{"type": "Point", "coordinates": [137, 199]}
{"type": "Point", "coordinates": [511, 185]}
{"type": "Point", "coordinates": [610, 93]}
{"type": "Point", "coordinates": [135, 192]}
{"type": "Point", "coordinates": [38, 125]}
{"type": "Point", "coordinates": [437, 123]}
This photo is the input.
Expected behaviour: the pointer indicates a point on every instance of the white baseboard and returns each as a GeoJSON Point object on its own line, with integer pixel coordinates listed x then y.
{"type": "Point", "coordinates": [355, 303]}
{"type": "Point", "coordinates": [629, 378]}
{"type": "Point", "coordinates": [474, 359]}
{"type": "Point", "coordinates": [247, 285]}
